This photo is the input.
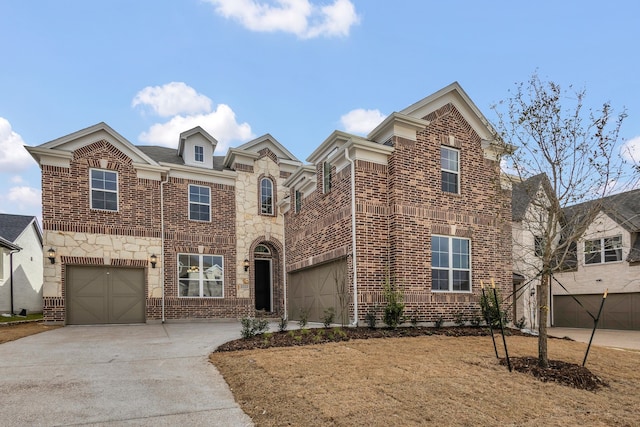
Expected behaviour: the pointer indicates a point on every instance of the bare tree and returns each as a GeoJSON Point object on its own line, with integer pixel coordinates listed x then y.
{"type": "Point", "coordinates": [577, 150]}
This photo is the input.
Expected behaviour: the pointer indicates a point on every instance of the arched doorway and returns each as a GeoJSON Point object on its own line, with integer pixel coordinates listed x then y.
{"type": "Point", "coordinates": [263, 277]}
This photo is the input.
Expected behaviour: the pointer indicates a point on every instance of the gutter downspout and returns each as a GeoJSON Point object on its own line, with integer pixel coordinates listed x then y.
{"type": "Point", "coordinates": [354, 261]}
{"type": "Point", "coordinates": [11, 273]}
{"type": "Point", "coordinates": [162, 239]}
{"type": "Point", "coordinates": [284, 267]}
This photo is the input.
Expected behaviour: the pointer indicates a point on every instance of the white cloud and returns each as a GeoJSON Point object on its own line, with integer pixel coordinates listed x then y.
{"type": "Point", "coordinates": [299, 17]}
{"type": "Point", "coordinates": [17, 179]}
{"type": "Point", "coordinates": [361, 121]}
{"type": "Point", "coordinates": [221, 124]}
{"type": "Point", "coordinates": [630, 150]}
{"type": "Point", "coordinates": [13, 156]}
{"type": "Point", "coordinates": [171, 99]}
{"type": "Point", "coordinates": [24, 199]}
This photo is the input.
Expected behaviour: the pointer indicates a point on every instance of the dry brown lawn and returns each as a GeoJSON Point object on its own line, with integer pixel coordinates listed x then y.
{"type": "Point", "coordinates": [430, 380]}
{"type": "Point", "coordinates": [21, 330]}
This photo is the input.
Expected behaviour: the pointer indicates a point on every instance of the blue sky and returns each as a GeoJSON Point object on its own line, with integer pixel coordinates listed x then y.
{"type": "Point", "coordinates": [297, 69]}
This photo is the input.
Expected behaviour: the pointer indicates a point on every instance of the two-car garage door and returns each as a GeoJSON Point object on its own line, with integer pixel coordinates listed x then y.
{"type": "Point", "coordinates": [620, 311]}
{"type": "Point", "coordinates": [98, 295]}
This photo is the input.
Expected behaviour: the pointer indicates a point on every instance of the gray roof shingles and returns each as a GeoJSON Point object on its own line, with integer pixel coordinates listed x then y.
{"type": "Point", "coordinates": [170, 155]}
{"type": "Point", "coordinates": [11, 226]}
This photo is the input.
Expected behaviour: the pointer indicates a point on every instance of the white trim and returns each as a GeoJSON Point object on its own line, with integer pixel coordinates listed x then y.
{"type": "Point", "coordinates": [197, 203]}
{"type": "Point", "coordinates": [201, 279]}
{"type": "Point", "coordinates": [91, 189]}
{"type": "Point", "coordinates": [450, 269]}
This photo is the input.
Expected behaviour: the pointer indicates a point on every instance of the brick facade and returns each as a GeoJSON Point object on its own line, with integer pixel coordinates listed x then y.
{"type": "Point", "coordinates": [399, 205]}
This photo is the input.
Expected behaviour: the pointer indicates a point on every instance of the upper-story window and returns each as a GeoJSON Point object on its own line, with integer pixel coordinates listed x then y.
{"type": "Point", "coordinates": [266, 196]}
{"type": "Point", "coordinates": [450, 264]}
{"type": "Point", "coordinates": [104, 190]}
{"type": "Point", "coordinates": [450, 165]}
{"type": "Point", "coordinates": [198, 153]}
{"type": "Point", "coordinates": [298, 201]}
{"type": "Point", "coordinates": [326, 177]}
{"type": "Point", "coordinates": [199, 203]}
{"type": "Point", "coordinates": [606, 249]}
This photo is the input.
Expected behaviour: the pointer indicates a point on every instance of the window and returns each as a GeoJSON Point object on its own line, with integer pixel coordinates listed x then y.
{"type": "Point", "coordinates": [104, 190]}
{"type": "Point", "coordinates": [607, 249]}
{"type": "Point", "coordinates": [200, 276]}
{"type": "Point", "coordinates": [199, 153]}
{"type": "Point", "coordinates": [326, 177]}
{"type": "Point", "coordinates": [450, 264]}
{"type": "Point", "coordinates": [298, 201]}
{"type": "Point", "coordinates": [538, 246]}
{"type": "Point", "coordinates": [262, 250]}
{"type": "Point", "coordinates": [199, 203]}
{"type": "Point", "coordinates": [449, 162]}
{"type": "Point", "coordinates": [266, 196]}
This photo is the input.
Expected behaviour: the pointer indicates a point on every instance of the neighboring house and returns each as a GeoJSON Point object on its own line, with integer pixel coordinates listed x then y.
{"type": "Point", "coordinates": [529, 202]}
{"type": "Point", "coordinates": [608, 257]}
{"type": "Point", "coordinates": [20, 264]}
{"type": "Point", "coordinates": [146, 233]}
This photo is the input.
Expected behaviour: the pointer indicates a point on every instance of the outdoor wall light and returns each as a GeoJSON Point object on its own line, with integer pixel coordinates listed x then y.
{"type": "Point", "coordinates": [533, 291]}
{"type": "Point", "coordinates": [51, 254]}
{"type": "Point", "coordinates": [246, 264]}
{"type": "Point", "coordinates": [153, 259]}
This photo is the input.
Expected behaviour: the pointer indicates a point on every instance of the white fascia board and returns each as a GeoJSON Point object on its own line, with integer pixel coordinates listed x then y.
{"type": "Point", "coordinates": [361, 149]}
{"type": "Point", "coordinates": [235, 154]}
{"type": "Point", "coordinates": [306, 171]}
{"type": "Point", "coordinates": [206, 175]}
{"type": "Point", "coordinates": [335, 140]}
{"type": "Point", "coordinates": [96, 133]}
{"type": "Point", "coordinates": [145, 171]}
{"type": "Point", "coordinates": [494, 149]}
{"type": "Point", "coordinates": [268, 141]}
{"type": "Point", "coordinates": [397, 124]}
{"type": "Point", "coordinates": [51, 157]}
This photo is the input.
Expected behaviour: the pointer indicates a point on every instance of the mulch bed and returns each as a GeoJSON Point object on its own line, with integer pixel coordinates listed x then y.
{"type": "Point", "coordinates": [564, 373]}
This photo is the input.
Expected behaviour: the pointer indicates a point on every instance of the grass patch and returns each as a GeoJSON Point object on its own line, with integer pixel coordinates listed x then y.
{"type": "Point", "coordinates": [32, 316]}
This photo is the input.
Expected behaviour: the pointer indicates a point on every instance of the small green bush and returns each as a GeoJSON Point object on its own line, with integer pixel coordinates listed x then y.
{"type": "Point", "coordinates": [489, 307]}
{"type": "Point", "coordinates": [439, 322]}
{"type": "Point", "coordinates": [328, 317]}
{"type": "Point", "coordinates": [304, 318]}
{"type": "Point", "coordinates": [282, 324]}
{"type": "Point", "coordinates": [458, 319]}
{"type": "Point", "coordinates": [370, 318]}
{"type": "Point", "coordinates": [520, 324]}
{"type": "Point", "coordinates": [394, 308]}
{"type": "Point", "coordinates": [252, 326]}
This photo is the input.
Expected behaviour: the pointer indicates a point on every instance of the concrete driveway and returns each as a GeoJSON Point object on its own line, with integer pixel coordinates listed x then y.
{"type": "Point", "coordinates": [155, 375]}
{"type": "Point", "coordinates": [603, 337]}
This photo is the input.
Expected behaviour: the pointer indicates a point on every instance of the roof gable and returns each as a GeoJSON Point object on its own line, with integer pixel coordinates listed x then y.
{"type": "Point", "coordinates": [268, 141]}
{"type": "Point", "coordinates": [61, 148]}
{"type": "Point", "coordinates": [12, 226]}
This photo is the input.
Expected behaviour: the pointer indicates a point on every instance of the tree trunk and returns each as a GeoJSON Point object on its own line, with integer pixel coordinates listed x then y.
{"type": "Point", "coordinates": [543, 310]}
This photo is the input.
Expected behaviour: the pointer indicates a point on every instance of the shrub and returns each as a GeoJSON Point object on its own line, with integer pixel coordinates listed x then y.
{"type": "Point", "coordinates": [370, 318]}
{"type": "Point", "coordinates": [304, 318]}
{"type": "Point", "coordinates": [394, 308]}
{"type": "Point", "coordinates": [476, 321]}
{"type": "Point", "coordinates": [414, 318]}
{"type": "Point", "coordinates": [252, 326]}
{"type": "Point", "coordinates": [489, 307]}
{"type": "Point", "coordinates": [520, 324]}
{"type": "Point", "coordinates": [328, 317]}
{"type": "Point", "coordinates": [282, 324]}
{"type": "Point", "coordinates": [439, 321]}
{"type": "Point", "coordinates": [458, 319]}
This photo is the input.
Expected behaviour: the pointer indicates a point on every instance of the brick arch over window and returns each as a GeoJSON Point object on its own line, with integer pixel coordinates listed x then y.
{"type": "Point", "coordinates": [277, 269]}
{"type": "Point", "coordinates": [274, 195]}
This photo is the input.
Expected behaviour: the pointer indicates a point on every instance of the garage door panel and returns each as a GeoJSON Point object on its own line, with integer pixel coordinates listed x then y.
{"type": "Point", "coordinates": [620, 311]}
{"type": "Point", "coordinates": [99, 295]}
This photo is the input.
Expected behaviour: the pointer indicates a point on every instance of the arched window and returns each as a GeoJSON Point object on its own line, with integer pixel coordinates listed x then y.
{"type": "Point", "coordinates": [266, 196]}
{"type": "Point", "coordinates": [262, 250]}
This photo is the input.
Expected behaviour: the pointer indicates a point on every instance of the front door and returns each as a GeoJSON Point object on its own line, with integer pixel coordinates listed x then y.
{"type": "Point", "coordinates": [263, 284]}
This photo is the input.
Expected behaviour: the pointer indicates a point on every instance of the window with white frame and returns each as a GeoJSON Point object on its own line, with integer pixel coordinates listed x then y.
{"type": "Point", "coordinates": [104, 189]}
{"type": "Point", "coordinates": [606, 249]}
{"type": "Point", "coordinates": [266, 196]}
{"type": "Point", "coordinates": [199, 153]}
{"type": "Point", "coordinates": [450, 166]}
{"type": "Point", "coordinates": [199, 203]}
{"type": "Point", "coordinates": [326, 177]}
{"type": "Point", "coordinates": [200, 276]}
{"type": "Point", "coordinates": [450, 264]}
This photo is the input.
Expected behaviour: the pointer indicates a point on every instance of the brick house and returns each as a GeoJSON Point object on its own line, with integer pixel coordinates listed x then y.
{"type": "Point", "coordinates": [417, 202]}
{"type": "Point", "coordinates": [146, 233]}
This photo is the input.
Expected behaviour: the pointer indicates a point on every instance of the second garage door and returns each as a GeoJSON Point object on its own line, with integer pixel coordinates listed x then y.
{"type": "Point", "coordinates": [97, 295]}
{"type": "Point", "coordinates": [620, 311]}
{"type": "Point", "coordinates": [315, 290]}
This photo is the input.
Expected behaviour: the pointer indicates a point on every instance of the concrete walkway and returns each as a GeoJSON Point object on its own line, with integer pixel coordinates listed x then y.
{"type": "Point", "coordinates": [603, 337]}
{"type": "Point", "coordinates": [143, 375]}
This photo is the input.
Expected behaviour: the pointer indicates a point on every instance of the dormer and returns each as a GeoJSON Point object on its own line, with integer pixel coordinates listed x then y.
{"type": "Point", "coordinates": [248, 152]}
{"type": "Point", "coordinates": [196, 148]}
